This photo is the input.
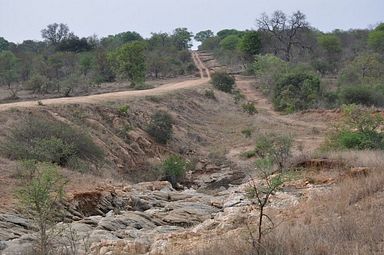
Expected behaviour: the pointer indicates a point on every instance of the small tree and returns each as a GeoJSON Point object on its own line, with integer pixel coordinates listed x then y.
{"type": "Point", "coordinates": [366, 69]}
{"type": "Point", "coordinates": [174, 169]}
{"type": "Point", "coordinates": [40, 198]}
{"type": "Point", "coordinates": [331, 46]}
{"type": "Point", "coordinates": [160, 126]}
{"type": "Point", "coordinates": [38, 84]}
{"type": "Point", "coordinates": [261, 193]}
{"type": "Point", "coordinates": [8, 68]}
{"type": "Point", "coordinates": [223, 81]}
{"type": "Point", "coordinates": [274, 147]}
{"type": "Point", "coordinates": [129, 62]}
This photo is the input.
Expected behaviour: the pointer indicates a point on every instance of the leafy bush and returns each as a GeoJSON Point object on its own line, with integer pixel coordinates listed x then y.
{"type": "Point", "coordinates": [274, 147]}
{"type": "Point", "coordinates": [209, 93]}
{"type": "Point", "coordinates": [123, 109]}
{"type": "Point", "coordinates": [362, 95]}
{"type": "Point", "coordinates": [174, 169]}
{"type": "Point", "coordinates": [38, 84]}
{"type": "Point", "coordinates": [358, 140]}
{"type": "Point", "coordinates": [268, 68]}
{"type": "Point", "coordinates": [41, 139]}
{"type": "Point", "coordinates": [231, 42]}
{"type": "Point", "coordinates": [295, 91]}
{"type": "Point", "coordinates": [359, 129]}
{"type": "Point", "coordinates": [238, 96]}
{"type": "Point", "coordinates": [223, 81]}
{"type": "Point", "coordinates": [365, 69]}
{"type": "Point", "coordinates": [160, 126]}
{"type": "Point", "coordinates": [249, 108]}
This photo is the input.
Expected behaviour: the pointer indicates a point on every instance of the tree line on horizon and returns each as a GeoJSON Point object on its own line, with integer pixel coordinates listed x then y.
{"type": "Point", "coordinates": [64, 63]}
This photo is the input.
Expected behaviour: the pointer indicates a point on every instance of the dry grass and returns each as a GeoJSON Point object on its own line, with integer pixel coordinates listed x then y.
{"type": "Point", "coordinates": [346, 219]}
{"type": "Point", "coordinates": [371, 159]}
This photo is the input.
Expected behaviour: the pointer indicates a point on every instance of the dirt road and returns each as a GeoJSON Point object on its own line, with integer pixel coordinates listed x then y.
{"type": "Point", "coordinates": [311, 133]}
{"type": "Point", "coordinates": [120, 95]}
{"type": "Point", "coordinates": [262, 104]}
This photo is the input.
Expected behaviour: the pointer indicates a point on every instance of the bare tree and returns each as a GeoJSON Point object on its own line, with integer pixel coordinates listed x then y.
{"type": "Point", "coordinates": [285, 31]}
{"type": "Point", "coordinates": [261, 193]}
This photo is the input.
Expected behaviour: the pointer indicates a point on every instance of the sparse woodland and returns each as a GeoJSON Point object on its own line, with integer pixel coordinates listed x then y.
{"type": "Point", "coordinates": [279, 152]}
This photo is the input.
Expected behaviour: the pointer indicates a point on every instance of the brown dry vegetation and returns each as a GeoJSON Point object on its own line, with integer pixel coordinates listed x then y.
{"type": "Point", "coordinates": [345, 218]}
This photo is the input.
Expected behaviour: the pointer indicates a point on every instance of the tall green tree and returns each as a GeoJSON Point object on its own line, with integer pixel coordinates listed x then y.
{"type": "Point", "coordinates": [4, 44]}
{"type": "Point", "coordinates": [231, 42]}
{"type": "Point", "coordinates": [331, 44]}
{"type": "Point", "coordinates": [250, 44]}
{"type": "Point", "coordinates": [182, 38]}
{"type": "Point", "coordinates": [376, 39]}
{"type": "Point", "coordinates": [8, 68]}
{"type": "Point", "coordinates": [204, 35]}
{"type": "Point", "coordinates": [227, 32]}
{"type": "Point", "coordinates": [129, 62]}
{"type": "Point", "coordinates": [55, 33]}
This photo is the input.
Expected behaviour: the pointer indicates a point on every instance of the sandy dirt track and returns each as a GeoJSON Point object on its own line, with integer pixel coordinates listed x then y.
{"type": "Point", "coordinates": [119, 95]}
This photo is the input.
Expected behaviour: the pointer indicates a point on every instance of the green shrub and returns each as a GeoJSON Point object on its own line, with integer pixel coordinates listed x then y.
{"type": "Point", "coordinates": [274, 147]}
{"type": "Point", "coordinates": [160, 126]}
{"type": "Point", "coordinates": [295, 91]}
{"type": "Point", "coordinates": [209, 93]}
{"type": "Point", "coordinates": [360, 141]}
{"type": "Point", "coordinates": [123, 109]}
{"type": "Point", "coordinates": [174, 169]}
{"type": "Point", "coordinates": [53, 150]}
{"type": "Point", "coordinates": [238, 96]}
{"type": "Point", "coordinates": [45, 140]}
{"type": "Point", "coordinates": [38, 84]}
{"type": "Point", "coordinates": [267, 68]}
{"type": "Point", "coordinates": [359, 129]}
{"type": "Point", "coordinates": [249, 108]}
{"type": "Point", "coordinates": [362, 95]}
{"type": "Point", "coordinates": [223, 81]}
{"type": "Point", "coordinates": [365, 69]}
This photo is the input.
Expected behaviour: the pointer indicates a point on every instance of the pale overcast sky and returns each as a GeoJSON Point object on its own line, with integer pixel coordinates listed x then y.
{"type": "Point", "coordinates": [24, 19]}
